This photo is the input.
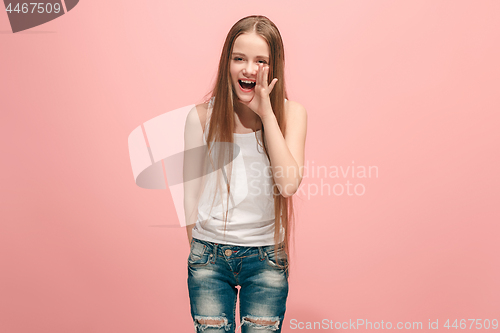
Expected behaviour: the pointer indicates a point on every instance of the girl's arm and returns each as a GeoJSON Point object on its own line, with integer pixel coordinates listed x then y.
{"type": "Point", "coordinates": [193, 161]}
{"type": "Point", "coordinates": [286, 152]}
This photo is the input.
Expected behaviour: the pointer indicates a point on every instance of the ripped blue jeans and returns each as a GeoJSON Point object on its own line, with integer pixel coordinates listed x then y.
{"type": "Point", "coordinates": [214, 271]}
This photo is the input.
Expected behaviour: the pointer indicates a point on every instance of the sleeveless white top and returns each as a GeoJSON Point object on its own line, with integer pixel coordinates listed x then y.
{"type": "Point", "coordinates": [250, 218]}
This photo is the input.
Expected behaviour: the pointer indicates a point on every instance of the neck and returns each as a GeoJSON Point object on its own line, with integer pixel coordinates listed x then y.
{"type": "Point", "coordinates": [246, 117]}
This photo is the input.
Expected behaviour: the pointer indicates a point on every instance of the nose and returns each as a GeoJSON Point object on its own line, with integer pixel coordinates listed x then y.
{"type": "Point", "coordinates": [250, 69]}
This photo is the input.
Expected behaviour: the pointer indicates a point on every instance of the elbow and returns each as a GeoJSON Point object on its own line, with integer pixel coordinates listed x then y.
{"type": "Point", "coordinates": [288, 190]}
{"type": "Point", "coordinates": [288, 187]}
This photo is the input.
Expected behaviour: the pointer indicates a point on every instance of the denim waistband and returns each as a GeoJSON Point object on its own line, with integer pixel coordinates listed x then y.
{"type": "Point", "coordinates": [236, 250]}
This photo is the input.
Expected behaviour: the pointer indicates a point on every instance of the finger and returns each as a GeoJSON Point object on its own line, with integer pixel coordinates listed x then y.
{"type": "Point", "coordinates": [261, 71]}
{"type": "Point", "coordinates": [271, 86]}
{"type": "Point", "coordinates": [266, 75]}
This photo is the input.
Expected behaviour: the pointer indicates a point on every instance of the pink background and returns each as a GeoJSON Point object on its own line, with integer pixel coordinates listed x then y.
{"type": "Point", "coordinates": [411, 87]}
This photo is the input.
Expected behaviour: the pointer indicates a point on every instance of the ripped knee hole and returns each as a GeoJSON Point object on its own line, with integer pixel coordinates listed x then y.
{"type": "Point", "coordinates": [272, 323]}
{"type": "Point", "coordinates": [201, 323]}
{"type": "Point", "coordinates": [210, 321]}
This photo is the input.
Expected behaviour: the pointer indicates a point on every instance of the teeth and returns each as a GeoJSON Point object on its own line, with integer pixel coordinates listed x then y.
{"type": "Point", "coordinates": [249, 82]}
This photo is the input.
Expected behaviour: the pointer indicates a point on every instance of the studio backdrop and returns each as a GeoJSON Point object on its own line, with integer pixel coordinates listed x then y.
{"type": "Point", "coordinates": [396, 220]}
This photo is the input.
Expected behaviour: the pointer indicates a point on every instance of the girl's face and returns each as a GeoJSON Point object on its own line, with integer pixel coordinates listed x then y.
{"type": "Point", "coordinates": [249, 50]}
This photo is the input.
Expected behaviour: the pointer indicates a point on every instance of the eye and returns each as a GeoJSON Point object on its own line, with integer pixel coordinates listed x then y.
{"type": "Point", "coordinates": [238, 59]}
{"type": "Point", "coordinates": [263, 62]}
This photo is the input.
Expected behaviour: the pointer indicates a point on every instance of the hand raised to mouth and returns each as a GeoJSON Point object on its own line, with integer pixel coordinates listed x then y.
{"type": "Point", "coordinates": [260, 103]}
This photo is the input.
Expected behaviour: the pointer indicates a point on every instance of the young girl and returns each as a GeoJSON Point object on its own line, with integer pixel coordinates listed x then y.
{"type": "Point", "coordinates": [239, 217]}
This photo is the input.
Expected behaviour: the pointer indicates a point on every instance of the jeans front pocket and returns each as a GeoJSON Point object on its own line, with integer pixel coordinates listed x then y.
{"type": "Point", "coordinates": [198, 255]}
{"type": "Point", "coordinates": [277, 259]}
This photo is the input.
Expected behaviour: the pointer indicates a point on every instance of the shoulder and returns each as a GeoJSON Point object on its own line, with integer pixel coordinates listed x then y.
{"type": "Point", "coordinates": [295, 111]}
{"type": "Point", "coordinates": [198, 115]}
{"type": "Point", "coordinates": [202, 112]}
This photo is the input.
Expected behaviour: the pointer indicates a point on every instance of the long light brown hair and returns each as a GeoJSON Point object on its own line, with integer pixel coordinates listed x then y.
{"type": "Point", "coordinates": [222, 119]}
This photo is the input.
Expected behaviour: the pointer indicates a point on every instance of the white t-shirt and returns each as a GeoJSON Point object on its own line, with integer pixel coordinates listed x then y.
{"type": "Point", "coordinates": [250, 218]}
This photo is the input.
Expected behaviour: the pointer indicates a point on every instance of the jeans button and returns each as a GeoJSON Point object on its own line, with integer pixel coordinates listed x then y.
{"type": "Point", "coordinates": [228, 252]}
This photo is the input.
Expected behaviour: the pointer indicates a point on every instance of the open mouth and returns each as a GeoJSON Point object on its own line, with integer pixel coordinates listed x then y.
{"type": "Point", "coordinates": [246, 85]}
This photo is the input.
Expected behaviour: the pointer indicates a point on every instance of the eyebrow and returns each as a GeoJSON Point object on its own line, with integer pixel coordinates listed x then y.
{"type": "Point", "coordinates": [239, 53]}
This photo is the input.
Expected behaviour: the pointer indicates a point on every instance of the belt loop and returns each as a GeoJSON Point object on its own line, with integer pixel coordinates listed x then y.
{"type": "Point", "coordinates": [214, 254]}
{"type": "Point", "coordinates": [261, 253]}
